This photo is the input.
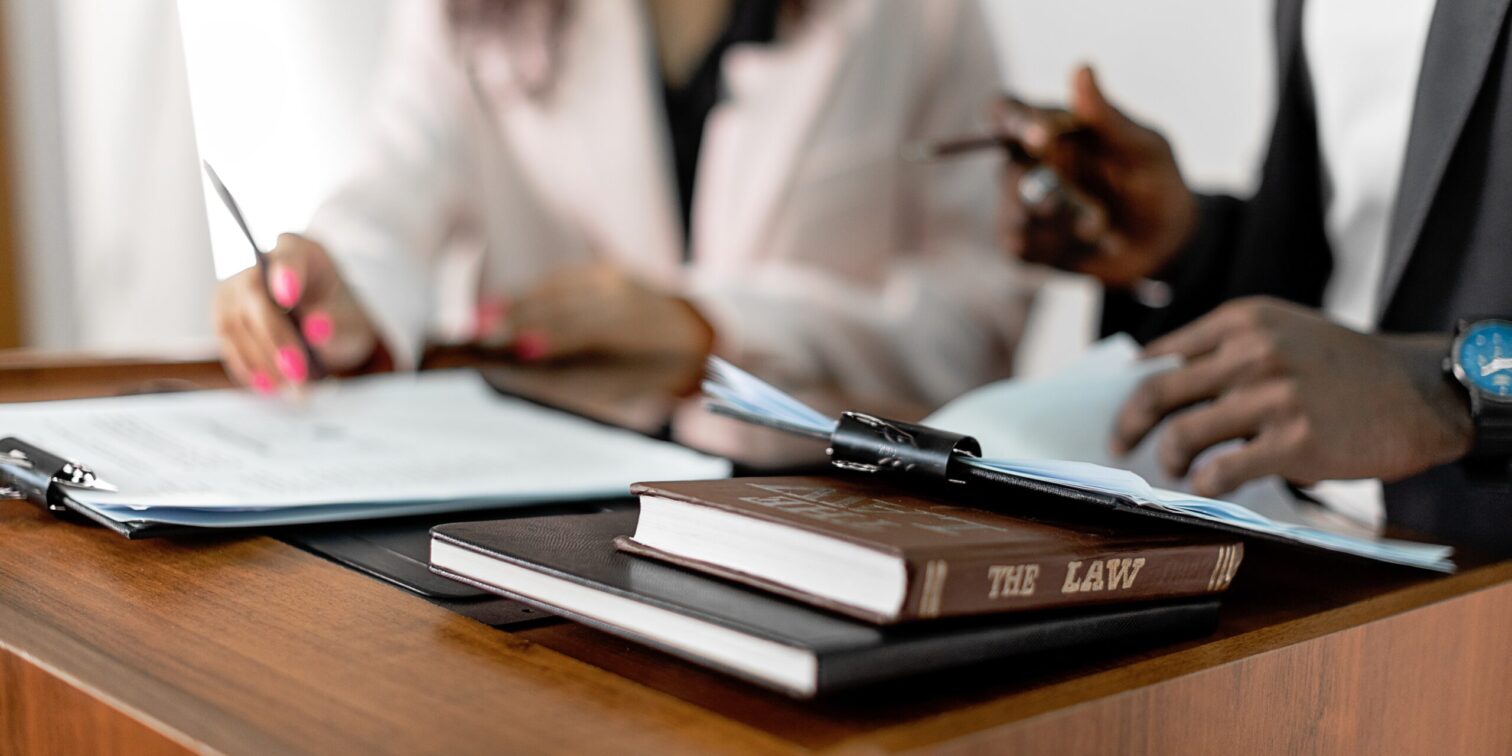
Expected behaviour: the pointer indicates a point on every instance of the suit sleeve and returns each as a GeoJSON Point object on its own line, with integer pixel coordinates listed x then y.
{"type": "Point", "coordinates": [1272, 243]}
{"type": "Point", "coordinates": [946, 311]}
{"type": "Point", "coordinates": [1197, 279]}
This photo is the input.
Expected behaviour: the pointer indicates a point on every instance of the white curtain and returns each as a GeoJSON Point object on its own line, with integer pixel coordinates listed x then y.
{"type": "Point", "coordinates": [113, 251]}
{"type": "Point", "coordinates": [117, 250]}
{"type": "Point", "coordinates": [142, 271]}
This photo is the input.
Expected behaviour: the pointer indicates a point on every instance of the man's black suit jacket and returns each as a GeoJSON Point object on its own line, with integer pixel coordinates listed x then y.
{"type": "Point", "coordinates": [1449, 252]}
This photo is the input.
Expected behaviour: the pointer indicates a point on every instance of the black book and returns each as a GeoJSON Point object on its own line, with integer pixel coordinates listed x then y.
{"type": "Point", "coordinates": [568, 565]}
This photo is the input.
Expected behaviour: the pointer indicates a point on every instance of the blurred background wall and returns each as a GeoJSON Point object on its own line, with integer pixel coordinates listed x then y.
{"type": "Point", "coordinates": [112, 217]}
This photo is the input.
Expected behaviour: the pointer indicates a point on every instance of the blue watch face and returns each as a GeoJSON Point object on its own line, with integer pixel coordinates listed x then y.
{"type": "Point", "coordinates": [1485, 356]}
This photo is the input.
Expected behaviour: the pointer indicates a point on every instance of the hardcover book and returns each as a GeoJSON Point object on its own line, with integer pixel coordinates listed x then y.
{"type": "Point", "coordinates": [567, 565]}
{"type": "Point", "coordinates": [883, 554]}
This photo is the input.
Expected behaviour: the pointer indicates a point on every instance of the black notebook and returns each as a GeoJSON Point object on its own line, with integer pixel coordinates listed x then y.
{"type": "Point", "coordinates": [567, 564]}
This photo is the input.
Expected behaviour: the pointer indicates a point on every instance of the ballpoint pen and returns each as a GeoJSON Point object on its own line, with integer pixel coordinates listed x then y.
{"type": "Point", "coordinates": [926, 151]}
{"type": "Point", "coordinates": [316, 367]}
{"type": "Point", "coordinates": [1054, 124]}
{"type": "Point", "coordinates": [1039, 186]}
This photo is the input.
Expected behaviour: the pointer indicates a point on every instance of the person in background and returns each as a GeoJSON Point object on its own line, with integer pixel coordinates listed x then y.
{"type": "Point", "coordinates": [554, 178]}
{"type": "Point", "coordinates": [1316, 318]}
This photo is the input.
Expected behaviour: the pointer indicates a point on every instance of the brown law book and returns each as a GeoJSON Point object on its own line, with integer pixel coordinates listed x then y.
{"type": "Point", "coordinates": [886, 555]}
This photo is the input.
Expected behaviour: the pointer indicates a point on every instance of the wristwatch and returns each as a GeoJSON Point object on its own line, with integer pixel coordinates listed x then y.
{"type": "Point", "coordinates": [1481, 360]}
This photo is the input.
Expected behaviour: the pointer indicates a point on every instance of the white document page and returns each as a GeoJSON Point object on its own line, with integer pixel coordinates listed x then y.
{"type": "Point", "coordinates": [1066, 416]}
{"type": "Point", "coordinates": [1070, 417]}
{"type": "Point", "coordinates": [1058, 430]}
{"type": "Point", "coordinates": [405, 441]}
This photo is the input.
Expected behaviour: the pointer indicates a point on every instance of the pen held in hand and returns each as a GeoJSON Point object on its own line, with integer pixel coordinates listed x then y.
{"type": "Point", "coordinates": [924, 151]}
{"type": "Point", "coordinates": [1040, 186]}
{"type": "Point", "coordinates": [1052, 126]}
{"type": "Point", "coordinates": [317, 369]}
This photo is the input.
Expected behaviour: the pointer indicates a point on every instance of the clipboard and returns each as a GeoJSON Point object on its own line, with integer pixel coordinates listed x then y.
{"type": "Point", "coordinates": [932, 459]}
{"type": "Point", "coordinates": [36, 475]}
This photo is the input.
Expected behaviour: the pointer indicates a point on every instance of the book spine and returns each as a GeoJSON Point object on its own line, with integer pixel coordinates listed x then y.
{"type": "Point", "coordinates": [941, 586]}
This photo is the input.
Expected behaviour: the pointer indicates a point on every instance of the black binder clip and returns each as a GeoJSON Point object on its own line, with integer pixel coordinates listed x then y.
{"type": "Point", "coordinates": [31, 473]}
{"type": "Point", "coordinates": [871, 444]}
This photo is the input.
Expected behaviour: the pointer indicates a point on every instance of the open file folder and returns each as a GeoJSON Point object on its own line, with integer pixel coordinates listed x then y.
{"type": "Point", "coordinates": [383, 446]}
{"type": "Point", "coordinates": [935, 455]}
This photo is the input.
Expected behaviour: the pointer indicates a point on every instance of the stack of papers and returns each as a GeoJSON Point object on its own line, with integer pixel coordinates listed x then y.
{"type": "Point", "coordinates": [371, 447]}
{"type": "Point", "coordinates": [1058, 430]}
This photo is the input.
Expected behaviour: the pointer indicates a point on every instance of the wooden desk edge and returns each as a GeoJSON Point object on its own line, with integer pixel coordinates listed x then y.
{"type": "Point", "coordinates": [139, 732]}
{"type": "Point", "coordinates": [1051, 700]}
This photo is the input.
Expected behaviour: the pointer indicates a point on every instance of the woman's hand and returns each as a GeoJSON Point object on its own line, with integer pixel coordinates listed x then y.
{"type": "Point", "coordinates": [596, 309]}
{"type": "Point", "coordinates": [257, 343]}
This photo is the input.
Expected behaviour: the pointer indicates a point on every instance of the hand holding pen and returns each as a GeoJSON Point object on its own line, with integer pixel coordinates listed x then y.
{"type": "Point", "coordinates": [1087, 189]}
{"type": "Point", "coordinates": [290, 318]}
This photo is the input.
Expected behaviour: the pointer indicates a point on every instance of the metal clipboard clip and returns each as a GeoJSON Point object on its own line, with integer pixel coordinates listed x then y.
{"type": "Point", "coordinates": [871, 444]}
{"type": "Point", "coordinates": [43, 478]}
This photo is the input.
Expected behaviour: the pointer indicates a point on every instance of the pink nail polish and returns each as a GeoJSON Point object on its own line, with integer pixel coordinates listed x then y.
{"type": "Point", "coordinates": [291, 362]}
{"type": "Point", "coordinates": [262, 383]}
{"type": "Point", "coordinates": [285, 287]}
{"type": "Point", "coordinates": [318, 328]}
{"type": "Point", "coordinates": [488, 315]}
{"type": "Point", "coordinates": [531, 345]}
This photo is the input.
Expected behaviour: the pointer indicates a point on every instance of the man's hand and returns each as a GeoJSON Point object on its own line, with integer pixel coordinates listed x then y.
{"type": "Point", "coordinates": [597, 309]}
{"type": "Point", "coordinates": [1309, 400]}
{"type": "Point", "coordinates": [1133, 211]}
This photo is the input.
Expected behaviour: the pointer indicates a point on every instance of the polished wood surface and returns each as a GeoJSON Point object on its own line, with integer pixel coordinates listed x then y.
{"type": "Point", "coordinates": [247, 645]}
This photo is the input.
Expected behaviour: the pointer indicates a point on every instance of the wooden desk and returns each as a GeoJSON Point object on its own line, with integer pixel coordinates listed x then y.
{"type": "Point", "coordinates": [247, 645]}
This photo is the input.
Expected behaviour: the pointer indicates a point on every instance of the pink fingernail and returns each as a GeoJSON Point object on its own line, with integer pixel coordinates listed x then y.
{"type": "Point", "coordinates": [488, 315]}
{"type": "Point", "coordinates": [285, 285]}
{"type": "Point", "coordinates": [291, 362]}
{"type": "Point", "coordinates": [262, 383]}
{"type": "Point", "coordinates": [531, 345]}
{"type": "Point", "coordinates": [318, 328]}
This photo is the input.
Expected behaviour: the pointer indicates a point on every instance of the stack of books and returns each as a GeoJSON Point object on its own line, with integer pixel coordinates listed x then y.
{"type": "Point", "coordinates": [810, 585]}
